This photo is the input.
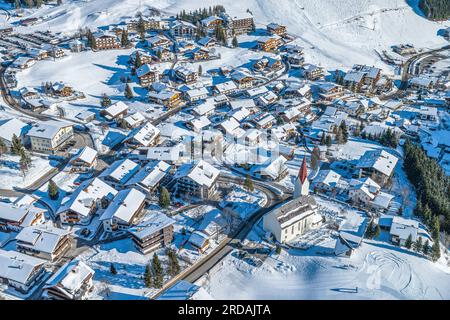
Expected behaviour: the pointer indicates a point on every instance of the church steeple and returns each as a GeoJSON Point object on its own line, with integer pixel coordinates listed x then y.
{"type": "Point", "coordinates": [301, 184]}
{"type": "Point", "coordinates": [303, 173]}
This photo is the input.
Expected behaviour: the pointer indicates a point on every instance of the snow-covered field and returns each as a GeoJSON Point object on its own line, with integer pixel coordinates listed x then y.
{"type": "Point", "coordinates": [334, 33]}
{"type": "Point", "coordinates": [377, 270]}
{"type": "Point", "coordinates": [11, 175]}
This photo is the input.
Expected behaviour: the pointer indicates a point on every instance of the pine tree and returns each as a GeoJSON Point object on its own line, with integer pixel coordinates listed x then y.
{"type": "Point", "coordinates": [369, 230]}
{"type": "Point", "coordinates": [408, 242]}
{"type": "Point", "coordinates": [158, 276]}
{"type": "Point", "coordinates": [435, 251]}
{"type": "Point", "coordinates": [112, 269]}
{"type": "Point", "coordinates": [137, 60]}
{"type": "Point", "coordinates": [25, 161]}
{"type": "Point", "coordinates": [377, 231]}
{"type": "Point", "coordinates": [426, 247]}
{"type": "Point", "coordinates": [329, 141]}
{"type": "Point", "coordinates": [16, 145]}
{"type": "Point", "coordinates": [124, 41]}
{"type": "Point", "coordinates": [278, 249]}
{"type": "Point", "coordinates": [339, 136]}
{"type": "Point", "coordinates": [148, 278]}
{"type": "Point", "coordinates": [106, 101]}
{"type": "Point", "coordinates": [141, 28]}
{"type": "Point", "coordinates": [418, 245]}
{"type": "Point", "coordinates": [249, 183]}
{"type": "Point", "coordinates": [235, 42]}
{"type": "Point", "coordinates": [323, 139]}
{"type": "Point", "coordinates": [53, 191]}
{"type": "Point", "coordinates": [174, 266]}
{"type": "Point", "coordinates": [200, 70]}
{"type": "Point", "coordinates": [344, 132]}
{"type": "Point", "coordinates": [315, 158]}
{"type": "Point", "coordinates": [164, 198]}
{"type": "Point", "coordinates": [3, 147]}
{"type": "Point", "coordinates": [128, 93]}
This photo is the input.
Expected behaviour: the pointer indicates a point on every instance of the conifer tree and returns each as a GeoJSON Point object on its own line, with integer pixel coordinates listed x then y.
{"type": "Point", "coordinates": [426, 247]}
{"type": "Point", "coordinates": [418, 245]}
{"type": "Point", "coordinates": [249, 183]}
{"type": "Point", "coordinates": [128, 92]}
{"type": "Point", "coordinates": [53, 191]}
{"type": "Point", "coordinates": [106, 101]}
{"type": "Point", "coordinates": [164, 198]}
{"type": "Point", "coordinates": [3, 147]}
{"type": "Point", "coordinates": [235, 42]}
{"type": "Point", "coordinates": [148, 278]}
{"type": "Point", "coordinates": [408, 242]}
{"type": "Point", "coordinates": [124, 41]}
{"type": "Point", "coordinates": [112, 269]}
{"type": "Point", "coordinates": [16, 145]}
{"type": "Point", "coordinates": [158, 276]}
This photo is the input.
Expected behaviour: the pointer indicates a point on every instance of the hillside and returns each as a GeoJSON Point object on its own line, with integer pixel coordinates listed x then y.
{"type": "Point", "coordinates": [334, 33]}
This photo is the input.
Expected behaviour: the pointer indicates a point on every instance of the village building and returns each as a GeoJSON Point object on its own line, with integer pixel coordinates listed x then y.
{"type": "Point", "coordinates": [361, 77]}
{"type": "Point", "coordinates": [124, 210]}
{"type": "Point", "coordinates": [292, 219]}
{"type": "Point", "coordinates": [199, 241]}
{"type": "Point", "coordinates": [73, 281]}
{"type": "Point", "coordinates": [83, 203]}
{"type": "Point", "coordinates": [144, 136]}
{"type": "Point", "coordinates": [24, 62]}
{"type": "Point", "coordinates": [211, 22]}
{"type": "Point", "coordinates": [421, 83]}
{"type": "Point", "coordinates": [152, 234]}
{"type": "Point", "coordinates": [275, 28]}
{"type": "Point", "coordinates": [183, 290]}
{"type": "Point", "coordinates": [197, 179]}
{"type": "Point", "coordinates": [401, 229]}
{"type": "Point", "coordinates": [378, 164]}
{"type": "Point", "coordinates": [86, 116]}
{"type": "Point", "coordinates": [44, 242]}
{"type": "Point", "coordinates": [198, 54]}
{"type": "Point", "coordinates": [207, 42]}
{"type": "Point", "coordinates": [186, 75]}
{"type": "Point", "coordinates": [198, 124]}
{"type": "Point", "coordinates": [20, 271]}
{"type": "Point", "coordinates": [312, 72]}
{"type": "Point", "coordinates": [273, 170]}
{"type": "Point", "coordinates": [104, 41]}
{"type": "Point", "coordinates": [228, 87]}
{"type": "Point", "coordinates": [197, 94]}
{"type": "Point", "coordinates": [269, 43]}
{"type": "Point", "coordinates": [242, 78]}
{"type": "Point", "coordinates": [115, 111]}
{"type": "Point", "coordinates": [329, 91]}
{"type": "Point", "coordinates": [147, 75]}
{"type": "Point", "coordinates": [159, 41]}
{"type": "Point", "coordinates": [48, 136]}
{"type": "Point", "coordinates": [16, 217]}
{"type": "Point", "coordinates": [61, 89]}
{"type": "Point", "coordinates": [84, 161]}
{"type": "Point", "coordinates": [241, 24]}
{"type": "Point", "coordinates": [119, 173]}
{"type": "Point", "coordinates": [133, 120]}
{"type": "Point", "coordinates": [367, 193]}
{"type": "Point", "coordinates": [183, 29]}
{"type": "Point", "coordinates": [150, 177]}
{"type": "Point", "coordinates": [166, 98]}
{"type": "Point", "coordinates": [206, 108]}
{"type": "Point", "coordinates": [76, 46]}
{"type": "Point", "coordinates": [11, 127]}
{"type": "Point", "coordinates": [328, 181]}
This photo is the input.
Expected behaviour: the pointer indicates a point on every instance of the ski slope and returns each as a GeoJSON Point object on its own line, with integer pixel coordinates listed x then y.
{"type": "Point", "coordinates": [334, 33]}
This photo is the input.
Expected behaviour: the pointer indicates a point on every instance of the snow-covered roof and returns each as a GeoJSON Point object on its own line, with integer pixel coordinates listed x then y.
{"type": "Point", "coordinates": [86, 195]}
{"type": "Point", "coordinates": [11, 127]}
{"type": "Point", "coordinates": [204, 108]}
{"type": "Point", "coordinates": [242, 103]}
{"type": "Point", "coordinates": [12, 212]}
{"type": "Point", "coordinates": [165, 153]}
{"type": "Point", "coordinates": [328, 177]}
{"type": "Point", "coordinates": [47, 129]}
{"type": "Point", "coordinates": [274, 168]}
{"type": "Point", "coordinates": [379, 160]}
{"type": "Point", "coordinates": [145, 135]}
{"type": "Point", "coordinates": [145, 69]}
{"type": "Point", "coordinates": [200, 123]}
{"type": "Point", "coordinates": [403, 227]}
{"type": "Point", "coordinates": [125, 205]}
{"type": "Point", "coordinates": [230, 126]}
{"type": "Point", "coordinates": [198, 239]}
{"type": "Point", "coordinates": [225, 86]}
{"type": "Point", "coordinates": [209, 20]}
{"type": "Point", "coordinates": [382, 200]}
{"type": "Point", "coordinates": [198, 92]}
{"type": "Point", "coordinates": [42, 238]}
{"type": "Point", "coordinates": [17, 266]}
{"type": "Point", "coordinates": [157, 221]}
{"type": "Point", "coordinates": [70, 277]}
{"type": "Point", "coordinates": [241, 114]}
{"type": "Point", "coordinates": [200, 171]}
{"type": "Point", "coordinates": [121, 170]}
{"type": "Point", "coordinates": [295, 210]}
{"type": "Point", "coordinates": [116, 108]}
{"type": "Point", "coordinates": [85, 154]}
{"type": "Point", "coordinates": [134, 119]}
{"type": "Point", "coordinates": [150, 175]}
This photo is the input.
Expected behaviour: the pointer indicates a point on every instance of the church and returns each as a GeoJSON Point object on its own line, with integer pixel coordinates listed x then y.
{"type": "Point", "coordinates": [295, 217]}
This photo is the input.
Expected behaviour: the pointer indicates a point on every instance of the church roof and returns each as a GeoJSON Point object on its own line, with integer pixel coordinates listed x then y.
{"type": "Point", "coordinates": [303, 173]}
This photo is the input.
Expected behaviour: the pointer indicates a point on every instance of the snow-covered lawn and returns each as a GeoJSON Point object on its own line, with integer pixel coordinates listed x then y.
{"type": "Point", "coordinates": [376, 271]}
{"type": "Point", "coordinates": [244, 203]}
{"type": "Point", "coordinates": [11, 176]}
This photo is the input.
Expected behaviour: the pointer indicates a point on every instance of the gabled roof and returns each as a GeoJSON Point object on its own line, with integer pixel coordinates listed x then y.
{"type": "Point", "coordinates": [200, 171]}
{"type": "Point", "coordinates": [11, 127]}
{"type": "Point", "coordinates": [41, 238]}
{"type": "Point", "coordinates": [125, 205]}
{"type": "Point", "coordinates": [17, 266]}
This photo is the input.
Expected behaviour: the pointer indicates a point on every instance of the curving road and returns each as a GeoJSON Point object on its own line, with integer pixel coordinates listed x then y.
{"type": "Point", "coordinates": [232, 241]}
